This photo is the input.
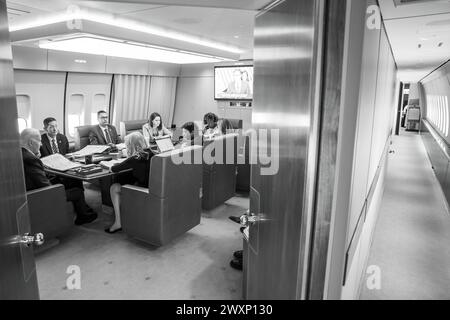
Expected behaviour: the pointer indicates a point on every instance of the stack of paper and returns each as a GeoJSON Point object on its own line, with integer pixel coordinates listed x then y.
{"type": "Point", "coordinates": [59, 162]}
{"type": "Point", "coordinates": [109, 164]}
{"type": "Point", "coordinates": [90, 150]}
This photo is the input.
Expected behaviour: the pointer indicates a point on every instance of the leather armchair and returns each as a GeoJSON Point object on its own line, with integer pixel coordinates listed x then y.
{"type": "Point", "coordinates": [127, 127]}
{"type": "Point", "coordinates": [50, 213]}
{"type": "Point", "coordinates": [219, 178]}
{"type": "Point", "coordinates": [82, 137]}
{"type": "Point", "coordinates": [171, 205]}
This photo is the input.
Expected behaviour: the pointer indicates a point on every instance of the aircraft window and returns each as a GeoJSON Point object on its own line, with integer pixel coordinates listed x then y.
{"type": "Point", "coordinates": [22, 124]}
{"type": "Point", "coordinates": [75, 113]}
{"type": "Point", "coordinates": [23, 110]}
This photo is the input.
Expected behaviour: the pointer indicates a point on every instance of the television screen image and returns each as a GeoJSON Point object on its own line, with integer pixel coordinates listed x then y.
{"type": "Point", "coordinates": [234, 83]}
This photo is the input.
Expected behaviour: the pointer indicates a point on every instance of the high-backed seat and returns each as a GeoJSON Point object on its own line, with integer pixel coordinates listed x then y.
{"type": "Point", "coordinates": [82, 137]}
{"type": "Point", "coordinates": [127, 127]}
{"type": "Point", "coordinates": [171, 204]}
{"type": "Point", "coordinates": [50, 213]}
{"type": "Point", "coordinates": [219, 176]}
{"type": "Point", "coordinates": [236, 123]}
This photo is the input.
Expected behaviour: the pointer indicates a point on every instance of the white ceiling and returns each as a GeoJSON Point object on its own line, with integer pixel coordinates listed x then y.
{"type": "Point", "coordinates": [228, 22]}
{"type": "Point", "coordinates": [419, 33]}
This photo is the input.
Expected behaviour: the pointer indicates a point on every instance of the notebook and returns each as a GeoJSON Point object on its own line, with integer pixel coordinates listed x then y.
{"type": "Point", "coordinates": [164, 144]}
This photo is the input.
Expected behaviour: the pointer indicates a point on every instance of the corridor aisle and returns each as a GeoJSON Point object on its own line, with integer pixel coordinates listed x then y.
{"type": "Point", "coordinates": [411, 242]}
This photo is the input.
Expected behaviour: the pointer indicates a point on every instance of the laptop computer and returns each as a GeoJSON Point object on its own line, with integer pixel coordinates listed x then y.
{"type": "Point", "coordinates": [164, 144]}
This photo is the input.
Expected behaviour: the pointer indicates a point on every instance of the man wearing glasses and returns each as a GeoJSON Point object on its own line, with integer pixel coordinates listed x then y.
{"type": "Point", "coordinates": [104, 133]}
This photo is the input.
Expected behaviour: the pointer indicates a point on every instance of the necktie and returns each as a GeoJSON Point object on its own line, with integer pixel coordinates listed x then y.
{"type": "Point", "coordinates": [54, 146]}
{"type": "Point", "coordinates": [108, 138]}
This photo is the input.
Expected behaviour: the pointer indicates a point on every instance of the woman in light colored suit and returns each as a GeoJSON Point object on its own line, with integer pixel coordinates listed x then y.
{"type": "Point", "coordinates": [155, 128]}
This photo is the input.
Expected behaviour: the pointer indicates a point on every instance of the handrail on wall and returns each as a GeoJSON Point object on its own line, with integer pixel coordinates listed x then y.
{"type": "Point", "coordinates": [442, 143]}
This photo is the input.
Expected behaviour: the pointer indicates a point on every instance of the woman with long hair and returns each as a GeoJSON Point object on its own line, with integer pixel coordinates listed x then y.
{"type": "Point", "coordinates": [155, 128]}
{"type": "Point", "coordinates": [139, 161]}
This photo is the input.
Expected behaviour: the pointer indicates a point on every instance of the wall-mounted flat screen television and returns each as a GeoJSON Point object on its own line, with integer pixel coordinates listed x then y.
{"type": "Point", "coordinates": [233, 83]}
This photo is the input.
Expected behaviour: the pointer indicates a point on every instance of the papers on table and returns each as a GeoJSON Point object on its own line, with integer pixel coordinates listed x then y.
{"type": "Point", "coordinates": [109, 164]}
{"type": "Point", "coordinates": [59, 162]}
{"type": "Point", "coordinates": [120, 146]}
{"type": "Point", "coordinates": [90, 150]}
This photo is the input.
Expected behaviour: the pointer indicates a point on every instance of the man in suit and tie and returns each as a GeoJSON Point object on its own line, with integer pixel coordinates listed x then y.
{"type": "Point", "coordinates": [53, 141]}
{"type": "Point", "coordinates": [35, 176]}
{"type": "Point", "coordinates": [104, 133]}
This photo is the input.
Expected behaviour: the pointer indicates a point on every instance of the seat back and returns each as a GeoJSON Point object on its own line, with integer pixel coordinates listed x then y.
{"type": "Point", "coordinates": [166, 172]}
{"type": "Point", "coordinates": [82, 136]}
{"type": "Point", "coordinates": [50, 214]}
{"type": "Point", "coordinates": [219, 170]}
{"type": "Point", "coordinates": [236, 123]}
{"type": "Point", "coordinates": [127, 127]}
{"type": "Point", "coordinates": [171, 205]}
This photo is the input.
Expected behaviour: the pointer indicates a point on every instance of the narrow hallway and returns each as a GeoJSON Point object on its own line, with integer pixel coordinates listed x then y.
{"type": "Point", "coordinates": [411, 242]}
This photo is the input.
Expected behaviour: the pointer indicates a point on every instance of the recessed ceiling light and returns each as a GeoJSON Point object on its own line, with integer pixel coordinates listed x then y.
{"type": "Point", "coordinates": [80, 61]}
{"type": "Point", "coordinates": [121, 22]}
{"type": "Point", "coordinates": [116, 48]}
{"type": "Point", "coordinates": [236, 37]}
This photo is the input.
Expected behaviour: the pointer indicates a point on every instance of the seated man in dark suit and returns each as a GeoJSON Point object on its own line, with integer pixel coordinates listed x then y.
{"type": "Point", "coordinates": [55, 142]}
{"type": "Point", "coordinates": [35, 177]}
{"type": "Point", "coordinates": [104, 133]}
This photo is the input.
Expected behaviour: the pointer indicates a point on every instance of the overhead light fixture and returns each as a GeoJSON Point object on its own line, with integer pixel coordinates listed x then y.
{"type": "Point", "coordinates": [117, 48]}
{"type": "Point", "coordinates": [79, 14]}
{"type": "Point", "coordinates": [80, 61]}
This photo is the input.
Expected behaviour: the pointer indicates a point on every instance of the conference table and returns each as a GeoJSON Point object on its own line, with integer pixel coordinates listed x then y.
{"type": "Point", "coordinates": [104, 178]}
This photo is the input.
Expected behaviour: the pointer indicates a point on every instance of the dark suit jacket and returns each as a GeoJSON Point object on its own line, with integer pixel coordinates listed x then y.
{"type": "Point", "coordinates": [61, 140]}
{"type": "Point", "coordinates": [35, 176]}
{"type": "Point", "coordinates": [97, 137]}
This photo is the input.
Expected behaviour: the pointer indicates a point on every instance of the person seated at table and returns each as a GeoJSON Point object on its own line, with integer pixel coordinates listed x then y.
{"type": "Point", "coordinates": [139, 161]}
{"type": "Point", "coordinates": [104, 133]}
{"type": "Point", "coordinates": [211, 129]}
{"type": "Point", "coordinates": [35, 177]}
{"type": "Point", "coordinates": [190, 135]}
{"type": "Point", "coordinates": [154, 129]}
{"type": "Point", "coordinates": [54, 142]}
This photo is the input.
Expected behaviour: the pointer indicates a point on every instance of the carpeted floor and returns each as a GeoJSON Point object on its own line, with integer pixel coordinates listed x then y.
{"type": "Point", "coordinates": [194, 266]}
{"type": "Point", "coordinates": [411, 243]}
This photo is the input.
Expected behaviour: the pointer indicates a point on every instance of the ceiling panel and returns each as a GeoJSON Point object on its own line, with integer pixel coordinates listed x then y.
{"type": "Point", "coordinates": [234, 4]}
{"type": "Point", "coordinates": [419, 33]}
{"type": "Point", "coordinates": [393, 10]}
{"type": "Point", "coordinates": [224, 25]}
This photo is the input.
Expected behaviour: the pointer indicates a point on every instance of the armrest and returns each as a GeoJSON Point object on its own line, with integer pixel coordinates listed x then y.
{"type": "Point", "coordinates": [57, 188]}
{"type": "Point", "coordinates": [135, 188]}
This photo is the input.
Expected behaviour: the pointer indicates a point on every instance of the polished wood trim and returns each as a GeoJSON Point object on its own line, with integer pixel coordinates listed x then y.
{"type": "Point", "coordinates": [334, 41]}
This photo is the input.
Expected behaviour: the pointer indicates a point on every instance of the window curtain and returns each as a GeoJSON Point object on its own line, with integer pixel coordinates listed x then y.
{"type": "Point", "coordinates": [131, 98]}
{"type": "Point", "coordinates": [162, 98]}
